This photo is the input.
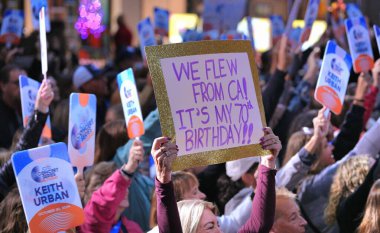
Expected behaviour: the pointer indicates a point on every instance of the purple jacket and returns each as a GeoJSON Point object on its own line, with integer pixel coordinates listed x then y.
{"type": "Point", "coordinates": [263, 205]}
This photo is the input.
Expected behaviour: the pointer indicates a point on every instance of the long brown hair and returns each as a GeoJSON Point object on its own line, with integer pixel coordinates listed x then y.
{"type": "Point", "coordinates": [110, 137]}
{"type": "Point", "coordinates": [349, 176]}
{"type": "Point", "coordinates": [12, 217]}
{"type": "Point", "coordinates": [371, 219]}
{"type": "Point", "coordinates": [96, 177]}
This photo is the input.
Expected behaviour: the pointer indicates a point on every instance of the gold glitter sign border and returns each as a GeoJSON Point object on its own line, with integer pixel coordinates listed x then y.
{"type": "Point", "coordinates": [156, 53]}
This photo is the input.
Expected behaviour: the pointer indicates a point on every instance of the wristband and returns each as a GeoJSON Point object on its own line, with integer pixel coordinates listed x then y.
{"type": "Point", "coordinates": [359, 100]}
{"type": "Point", "coordinates": [130, 175]}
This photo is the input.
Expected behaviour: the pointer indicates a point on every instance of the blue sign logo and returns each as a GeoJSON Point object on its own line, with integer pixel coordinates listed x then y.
{"type": "Point", "coordinates": [336, 66]}
{"type": "Point", "coordinates": [43, 174]}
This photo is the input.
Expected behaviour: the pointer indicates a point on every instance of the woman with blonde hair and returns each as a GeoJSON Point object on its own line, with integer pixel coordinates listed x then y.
{"type": "Point", "coordinates": [371, 219]}
{"type": "Point", "coordinates": [349, 191]}
{"type": "Point", "coordinates": [195, 216]}
{"type": "Point", "coordinates": [186, 186]}
{"type": "Point", "coordinates": [348, 177]}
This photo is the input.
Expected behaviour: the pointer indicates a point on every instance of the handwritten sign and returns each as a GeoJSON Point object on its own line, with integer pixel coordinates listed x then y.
{"type": "Point", "coordinates": [376, 30]}
{"type": "Point", "coordinates": [146, 35]}
{"type": "Point", "coordinates": [353, 11]}
{"type": "Point", "coordinates": [47, 188]}
{"type": "Point", "coordinates": [222, 15]}
{"type": "Point", "coordinates": [277, 27]}
{"type": "Point", "coordinates": [36, 6]}
{"type": "Point", "coordinates": [28, 93]}
{"type": "Point", "coordinates": [310, 16]}
{"type": "Point", "coordinates": [209, 99]}
{"type": "Point", "coordinates": [360, 44]}
{"type": "Point", "coordinates": [82, 121]}
{"type": "Point", "coordinates": [12, 27]}
{"type": "Point", "coordinates": [131, 105]}
{"type": "Point", "coordinates": [161, 21]}
{"type": "Point", "coordinates": [333, 78]}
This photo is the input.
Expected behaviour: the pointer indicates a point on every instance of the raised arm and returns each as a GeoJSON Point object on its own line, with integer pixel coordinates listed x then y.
{"type": "Point", "coordinates": [32, 132]}
{"type": "Point", "coordinates": [30, 135]}
{"type": "Point", "coordinates": [264, 202]}
{"type": "Point", "coordinates": [275, 86]}
{"type": "Point", "coordinates": [102, 209]}
{"type": "Point", "coordinates": [164, 152]}
{"type": "Point", "coordinates": [299, 165]}
{"type": "Point", "coordinates": [353, 124]}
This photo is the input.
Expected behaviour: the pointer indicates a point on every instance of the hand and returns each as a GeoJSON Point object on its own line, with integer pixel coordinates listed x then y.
{"type": "Point", "coordinates": [321, 124]}
{"type": "Point", "coordinates": [136, 154]}
{"type": "Point", "coordinates": [80, 184]}
{"type": "Point", "coordinates": [364, 81]}
{"type": "Point", "coordinates": [376, 74]}
{"type": "Point", "coordinates": [284, 54]}
{"type": "Point", "coordinates": [164, 153]}
{"type": "Point", "coordinates": [44, 97]}
{"type": "Point", "coordinates": [270, 142]}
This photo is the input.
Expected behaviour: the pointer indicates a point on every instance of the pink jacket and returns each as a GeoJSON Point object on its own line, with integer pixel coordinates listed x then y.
{"type": "Point", "coordinates": [100, 211]}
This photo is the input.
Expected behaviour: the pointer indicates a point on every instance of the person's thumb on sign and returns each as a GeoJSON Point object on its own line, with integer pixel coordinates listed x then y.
{"type": "Point", "coordinates": [270, 142]}
{"type": "Point", "coordinates": [164, 153]}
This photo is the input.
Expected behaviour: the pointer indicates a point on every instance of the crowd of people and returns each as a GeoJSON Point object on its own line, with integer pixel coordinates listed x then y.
{"type": "Point", "coordinates": [321, 176]}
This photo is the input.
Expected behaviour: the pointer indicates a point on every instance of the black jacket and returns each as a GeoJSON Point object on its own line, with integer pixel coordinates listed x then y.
{"type": "Point", "coordinates": [29, 139]}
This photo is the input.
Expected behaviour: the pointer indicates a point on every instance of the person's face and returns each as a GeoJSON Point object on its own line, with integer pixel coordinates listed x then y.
{"type": "Point", "coordinates": [194, 193]}
{"type": "Point", "coordinates": [11, 88]}
{"type": "Point", "coordinates": [290, 219]}
{"type": "Point", "coordinates": [110, 116]}
{"type": "Point", "coordinates": [326, 158]}
{"type": "Point", "coordinates": [208, 223]}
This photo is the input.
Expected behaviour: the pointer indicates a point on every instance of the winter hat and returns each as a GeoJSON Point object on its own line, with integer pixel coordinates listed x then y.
{"type": "Point", "coordinates": [236, 169]}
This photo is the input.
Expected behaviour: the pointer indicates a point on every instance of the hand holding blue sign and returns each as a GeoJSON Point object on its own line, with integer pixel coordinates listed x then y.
{"type": "Point", "coordinates": [44, 97]}
{"type": "Point", "coordinates": [35, 96]}
{"type": "Point", "coordinates": [136, 155]}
